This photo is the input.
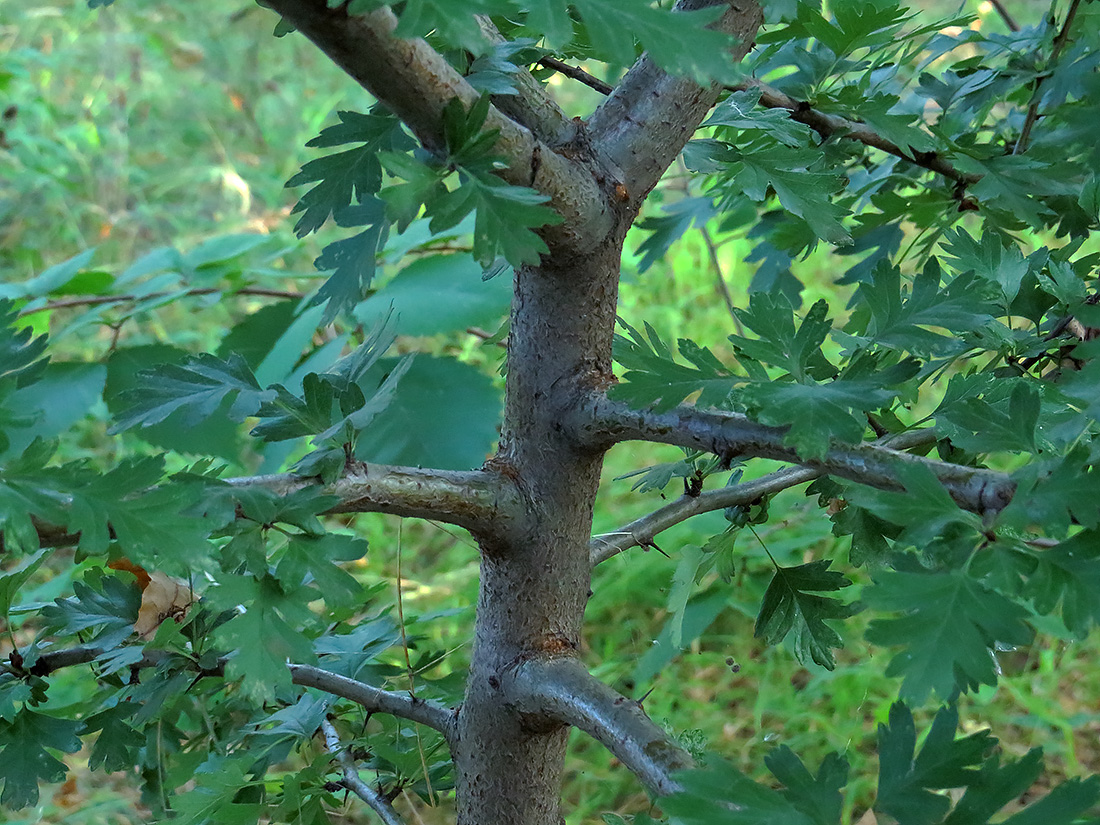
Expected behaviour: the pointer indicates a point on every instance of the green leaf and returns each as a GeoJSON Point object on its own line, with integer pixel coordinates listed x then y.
{"type": "Point", "coordinates": [11, 582]}
{"type": "Point", "coordinates": [721, 793]}
{"type": "Point", "coordinates": [789, 605]}
{"type": "Point", "coordinates": [103, 603]}
{"type": "Point", "coordinates": [654, 378]}
{"type": "Point", "coordinates": [801, 186]}
{"type": "Point", "coordinates": [125, 368]}
{"type": "Point", "coordinates": [948, 626]}
{"type": "Point", "coordinates": [678, 41]}
{"type": "Point", "coordinates": [348, 176]}
{"type": "Point", "coordinates": [990, 259]}
{"type": "Point", "coordinates": [153, 524]}
{"type": "Point", "coordinates": [21, 354]}
{"type": "Point", "coordinates": [741, 111]}
{"type": "Point", "coordinates": [1069, 574]}
{"type": "Point", "coordinates": [196, 388]}
{"type": "Point", "coordinates": [63, 393]}
{"type": "Point", "coordinates": [438, 293]}
{"type": "Point", "coordinates": [908, 320]}
{"type": "Point", "coordinates": [683, 581]}
{"type": "Point", "coordinates": [265, 633]}
{"type": "Point", "coordinates": [907, 784]}
{"type": "Point", "coordinates": [818, 796]}
{"type": "Point", "coordinates": [288, 416]}
{"type": "Point", "coordinates": [316, 556]}
{"type": "Point", "coordinates": [1003, 420]}
{"type": "Point", "coordinates": [926, 510]}
{"type": "Point", "coordinates": [24, 758]}
{"type": "Point", "coordinates": [223, 792]}
{"type": "Point", "coordinates": [505, 222]}
{"type": "Point", "coordinates": [117, 745]}
{"type": "Point", "coordinates": [353, 262]}
{"type": "Point", "coordinates": [1062, 806]}
{"type": "Point", "coordinates": [444, 413]}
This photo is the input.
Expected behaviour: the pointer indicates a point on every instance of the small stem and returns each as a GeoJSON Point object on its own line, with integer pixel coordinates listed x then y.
{"type": "Point", "coordinates": [1008, 19]}
{"type": "Point", "coordinates": [1032, 117]}
{"type": "Point", "coordinates": [98, 300]}
{"type": "Point", "coordinates": [576, 74]}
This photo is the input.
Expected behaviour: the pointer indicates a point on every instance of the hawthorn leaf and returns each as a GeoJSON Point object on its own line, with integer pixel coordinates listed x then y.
{"type": "Point", "coordinates": [22, 356]}
{"type": "Point", "coordinates": [349, 176]}
{"type": "Point", "coordinates": [438, 293]}
{"type": "Point", "coordinates": [196, 388]}
{"type": "Point", "coordinates": [817, 796]}
{"type": "Point", "coordinates": [24, 759]}
{"type": "Point", "coordinates": [908, 781]}
{"type": "Point", "coordinates": [790, 604]}
{"type": "Point", "coordinates": [117, 745]}
{"type": "Point", "coordinates": [721, 793]}
{"type": "Point", "coordinates": [1069, 574]}
{"type": "Point", "coordinates": [947, 627]}
{"type": "Point", "coordinates": [266, 633]}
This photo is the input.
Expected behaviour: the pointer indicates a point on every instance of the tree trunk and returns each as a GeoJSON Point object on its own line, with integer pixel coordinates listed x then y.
{"type": "Point", "coordinates": [534, 585]}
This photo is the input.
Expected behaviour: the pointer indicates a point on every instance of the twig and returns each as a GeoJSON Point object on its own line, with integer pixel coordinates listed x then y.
{"type": "Point", "coordinates": [720, 279]}
{"type": "Point", "coordinates": [824, 124]}
{"type": "Point", "coordinates": [641, 531]}
{"type": "Point", "coordinates": [1002, 10]}
{"type": "Point", "coordinates": [354, 782]}
{"type": "Point", "coordinates": [97, 300]}
{"type": "Point", "coordinates": [1060, 41]}
{"type": "Point", "coordinates": [576, 73]}
{"type": "Point", "coordinates": [829, 125]}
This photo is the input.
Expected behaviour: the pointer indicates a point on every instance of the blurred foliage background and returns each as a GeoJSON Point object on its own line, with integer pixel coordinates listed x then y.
{"type": "Point", "coordinates": [145, 125]}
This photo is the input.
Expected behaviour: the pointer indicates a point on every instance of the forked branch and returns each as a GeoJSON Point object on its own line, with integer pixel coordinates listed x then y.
{"type": "Point", "coordinates": [353, 782]}
{"type": "Point", "coordinates": [562, 689]}
{"type": "Point", "coordinates": [642, 531]}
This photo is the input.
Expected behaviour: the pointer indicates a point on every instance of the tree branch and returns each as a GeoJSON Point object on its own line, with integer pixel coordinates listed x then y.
{"type": "Point", "coordinates": [577, 73]}
{"type": "Point", "coordinates": [563, 690]}
{"type": "Point", "coordinates": [353, 782]}
{"type": "Point", "coordinates": [651, 115]}
{"type": "Point", "coordinates": [416, 83]}
{"type": "Point", "coordinates": [1006, 16]}
{"type": "Point", "coordinates": [829, 125]}
{"type": "Point", "coordinates": [532, 106]}
{"type": "Point", "coordinates": [600, 422]}
{"type": "Point", "coordinates": [372, 699]}
{"type": "Point", "coordinates": [375, 700]}
{"type": "Point", "coordinates": [642, 531]}
{"type": "Point", "coordinates": [482, 501]}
